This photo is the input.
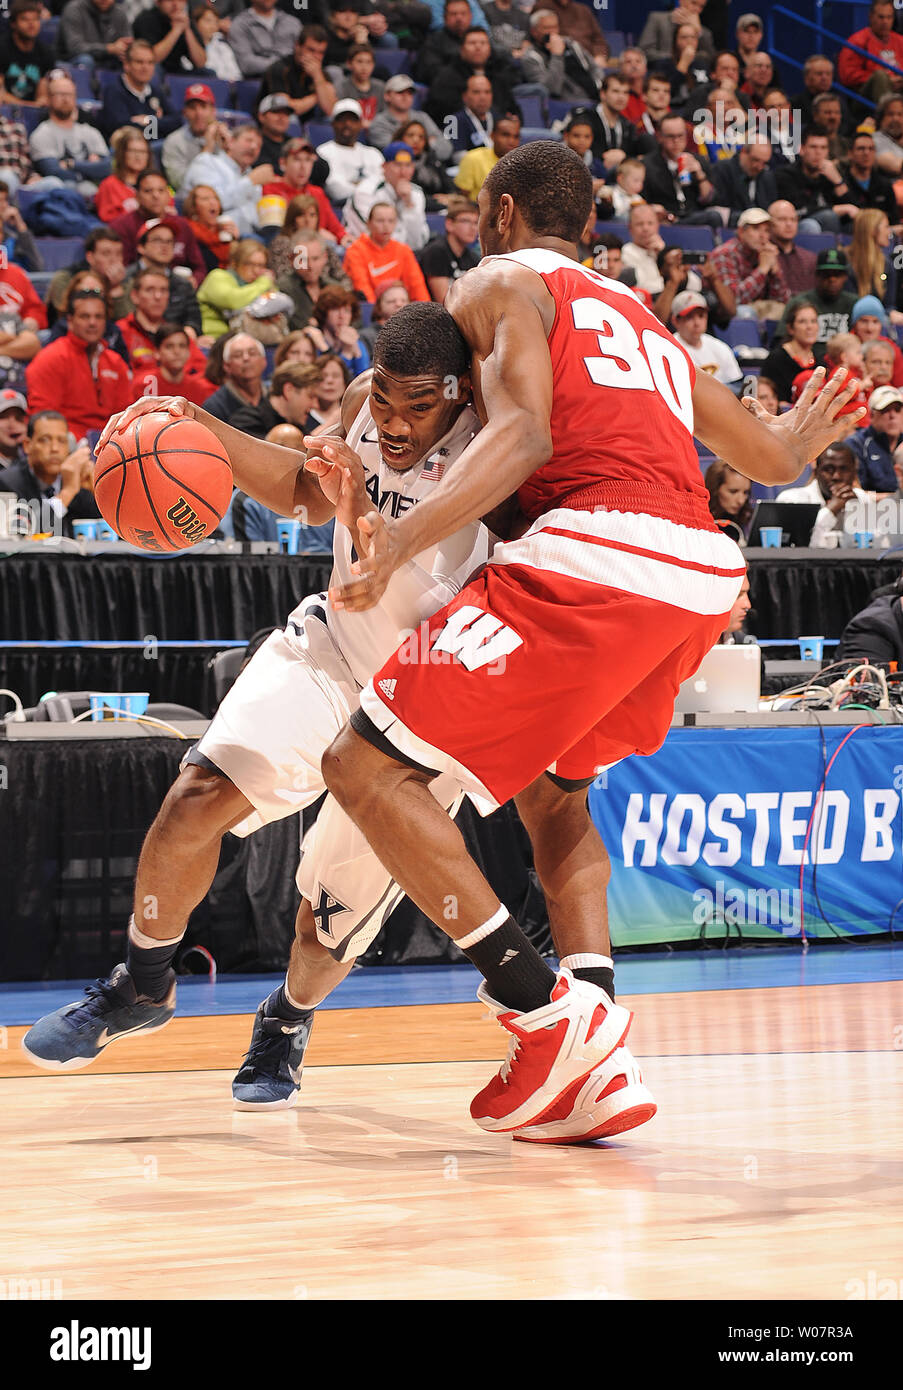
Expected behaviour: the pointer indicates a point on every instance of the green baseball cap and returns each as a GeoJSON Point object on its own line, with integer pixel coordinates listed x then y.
{"type": "Point", "coordinates": [832, 260]}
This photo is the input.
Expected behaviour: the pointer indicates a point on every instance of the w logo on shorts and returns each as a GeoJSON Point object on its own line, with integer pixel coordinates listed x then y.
{"type": "Point", "coordinates": [476, 638]}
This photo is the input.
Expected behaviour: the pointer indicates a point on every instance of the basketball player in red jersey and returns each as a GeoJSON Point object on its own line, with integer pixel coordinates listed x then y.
{"type": "Point", "coordinates": [565, 652]}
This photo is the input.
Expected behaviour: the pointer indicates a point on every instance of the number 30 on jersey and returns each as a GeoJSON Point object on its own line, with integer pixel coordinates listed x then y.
{"type": "Point", "coordinates": [633, 363]}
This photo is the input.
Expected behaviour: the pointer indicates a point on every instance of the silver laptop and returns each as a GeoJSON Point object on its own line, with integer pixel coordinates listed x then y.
{"type": "Point", "coordinates": [729, 681]}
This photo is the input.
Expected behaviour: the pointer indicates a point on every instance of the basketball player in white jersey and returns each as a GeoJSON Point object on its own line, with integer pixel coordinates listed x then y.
{"type": "Point", "coordinates": [260, 758]}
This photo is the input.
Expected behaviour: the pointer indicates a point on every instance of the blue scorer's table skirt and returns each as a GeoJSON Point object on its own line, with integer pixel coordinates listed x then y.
{"type": "Point", "coordinates": [707, 837]}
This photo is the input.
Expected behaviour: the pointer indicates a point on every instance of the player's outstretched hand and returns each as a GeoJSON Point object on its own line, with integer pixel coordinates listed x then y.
{"type": "Point", "coordinates": [340, 472]}
{"type": "Point", "coordinates": [815, 421]}
{"type": "Point", "coordinates": [145, 405]}
{"type": "Point", "coordinates": [374, 570]}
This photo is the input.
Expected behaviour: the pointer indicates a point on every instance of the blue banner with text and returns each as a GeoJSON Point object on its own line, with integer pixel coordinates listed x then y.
{"type": "Point", "coordinates": [723, 831]}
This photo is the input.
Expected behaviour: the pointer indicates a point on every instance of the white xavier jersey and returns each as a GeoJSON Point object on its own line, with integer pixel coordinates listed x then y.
{"type": "Point", "coordinates": [426, 583]}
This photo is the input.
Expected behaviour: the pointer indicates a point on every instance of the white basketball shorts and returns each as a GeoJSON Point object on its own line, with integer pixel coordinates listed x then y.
{"type": "Point", "coordinates": [269, 736]}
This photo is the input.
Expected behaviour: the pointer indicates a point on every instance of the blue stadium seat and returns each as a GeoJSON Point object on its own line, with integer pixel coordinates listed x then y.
{"type": "Point", "coordinates": [318, 132]}
{"type": "Point", "coordinates": [84, 86]}
{"type": "Point", "coordinates": [727, 234]}
{"type": "Point", "coordinates": [105, 77]}
{"type": "Point", "coordinates": [25, 197]}
{"type": "Point", "coordinates": [616, 40]}
{"type": "Point", "coordinates": [531, 109]}
{"type": "Point", "coordinates": [530, 133]}
{"type": "Point", "coordinates": [690, 238]}
{"type": "Point", "coordinates": [41, 280]}
{"type": "Point", "coordinates": [394, 60]}
{"type": "Point", "coordinates": [765, 492]}
{"type": "Point", "coordinates": [743, 333]}
{"type": "Point", "coordinates": [420, 95]}
{"type": "Point", "coordinates": [560, 110]}
{"type": "Point", "coordinates": [178, 82]}
{"type": "Point", "coordinates": [366, 312]}
{"type": "Point", "coordinates": [244, 93]}
{"type": "Point", "coordinates": [436, 223]}
{"type": "Point", "coordinates": [28, 116]}
{"type": "Point", "coordinates": [58, 252]}
{"type": "Point", "coordinates": [810, 241]}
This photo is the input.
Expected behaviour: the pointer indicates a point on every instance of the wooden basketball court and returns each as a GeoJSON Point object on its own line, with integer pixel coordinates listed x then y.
{"type": "Point", "coordinates": [773, 1170]}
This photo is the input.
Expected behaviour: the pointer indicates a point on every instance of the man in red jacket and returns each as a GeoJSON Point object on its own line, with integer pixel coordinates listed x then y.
{"type": "Point", "coordinates": [78, 374]}
{"type": "Point", "coordinates": [879, 38]}
{"type": "Point", "coordinates": [19, 294]}
{"type": "Point", "coordinates": [297, 162]}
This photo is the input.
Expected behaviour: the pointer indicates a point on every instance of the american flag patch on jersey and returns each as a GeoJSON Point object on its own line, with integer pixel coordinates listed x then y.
{"type": "Point", "coordinates": [433, 470]}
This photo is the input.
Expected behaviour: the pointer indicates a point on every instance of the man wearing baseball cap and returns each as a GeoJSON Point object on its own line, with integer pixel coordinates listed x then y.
{"type": "Point", "coordinates": [749, 266]}
{"type": "Point", "coordinates": [273, 116]}
{"type": "Point", "coordinates": [749, 35]}
{"type": "Point", "coordinates": [156, 251]}
{"type": "Point", "coordinates": [874, 444]}
{"type": "Point", "coordinates": [296, 166]}
{"type": "Point", "coordinates": [186, 143]}
{"type": "Point", "coordinates": [398, 97]}
{"type": "Point", "coordinates": [393, 185]}
{"type": "Point", "coordinates": [831, 301]}
{"type": "Point", "coordinates": [349, 161]}
{"type": "Point", "coordinates": [690, 316]}
{"type": "Point", "coordinates": [13, 415]}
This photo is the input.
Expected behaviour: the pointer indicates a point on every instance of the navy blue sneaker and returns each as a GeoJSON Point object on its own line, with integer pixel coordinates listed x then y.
{"type": "Point", "coordinates": [270, 1076]}
{"type": "Point", "coordinates": [76, 1034]}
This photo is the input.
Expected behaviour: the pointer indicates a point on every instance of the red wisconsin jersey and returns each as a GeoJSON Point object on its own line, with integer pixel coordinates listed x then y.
{"type": "Point", "coordinates": [622, 406]}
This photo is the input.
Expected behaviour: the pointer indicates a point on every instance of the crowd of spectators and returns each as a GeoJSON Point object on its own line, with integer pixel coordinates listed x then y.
{"type": "Point", "coordinates": [250, 178]}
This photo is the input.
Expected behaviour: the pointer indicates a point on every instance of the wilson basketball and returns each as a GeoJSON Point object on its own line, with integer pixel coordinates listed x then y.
{"type": "Point", "coordinates": [163, 483]}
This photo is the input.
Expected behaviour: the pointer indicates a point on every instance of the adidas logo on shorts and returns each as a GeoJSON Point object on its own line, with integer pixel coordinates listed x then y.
{"type": "Point", "coordinates": [388, 688]}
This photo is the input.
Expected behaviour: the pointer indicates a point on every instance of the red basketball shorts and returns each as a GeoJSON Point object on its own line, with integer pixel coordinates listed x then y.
{"type": "Point", "coordinates": [563, 654]}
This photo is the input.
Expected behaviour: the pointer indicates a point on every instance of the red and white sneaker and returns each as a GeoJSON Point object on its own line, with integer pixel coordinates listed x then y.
{"type": "Point", "coordinates": [554, 1048]}
{"type": "Point", "coordinates": [611, 1100]}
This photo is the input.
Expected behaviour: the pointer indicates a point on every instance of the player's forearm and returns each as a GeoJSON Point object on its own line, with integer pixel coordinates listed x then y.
{"type": "Point", "coordinates": [272, 475]}
{"type": "Point", "coordinates": [757, 451]}
{"type": "Point", "coordinates": [493, 466]}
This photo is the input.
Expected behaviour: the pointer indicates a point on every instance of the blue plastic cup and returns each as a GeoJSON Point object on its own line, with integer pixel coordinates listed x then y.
{"type": "Point", "coordinates": [105, 532]}
{"type": "Point", "coordinates": [288, 533]}
{"type": "Point", "coordinates": [864, 539]}
{"type": "Point", "coordinates": [122, 705]}
{"type": "Point", "coordinates": [84, 530]}
{"type": "Point", "coordinates": [811, 648]}
{"type": "Point", "coordinates": [771, 537]}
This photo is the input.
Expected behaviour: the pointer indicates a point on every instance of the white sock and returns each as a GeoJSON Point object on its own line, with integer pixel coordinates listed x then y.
{"type": "Point", "coordinates": [151, 943]}
{"type": "Point", "coordinates": [495, 921]}
{"type": "Point", "coordinates": [587, 960]}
